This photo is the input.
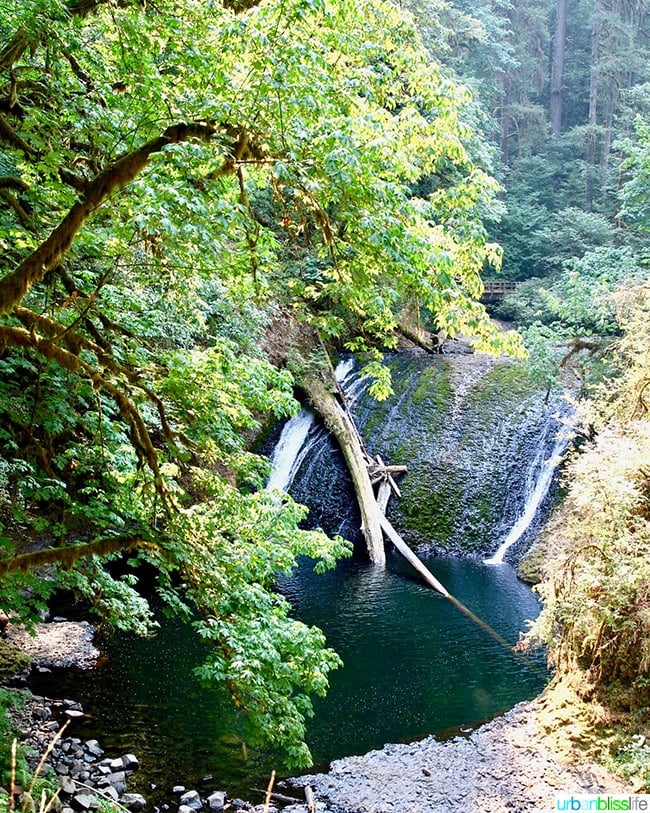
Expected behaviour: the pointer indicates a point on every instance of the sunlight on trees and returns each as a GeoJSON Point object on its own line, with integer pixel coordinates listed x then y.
{"type": "Point", "coordinates": [176, 181]}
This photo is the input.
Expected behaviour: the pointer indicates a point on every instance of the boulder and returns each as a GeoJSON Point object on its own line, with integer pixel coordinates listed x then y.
{"type": "Point", "coordinates": [216, 801]}
{"type": "Point", "coordinates": [134, 801]}
{"type": "Point", "coordinates": [130, 762]}
{"type": "Point", "coordinates": [192, 800]}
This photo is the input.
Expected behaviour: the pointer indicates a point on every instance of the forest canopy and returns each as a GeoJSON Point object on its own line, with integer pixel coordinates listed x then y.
{"type": "Point", "coordinates": [197, 199]}
{"type": "Point", "coordinates": [202, 202]}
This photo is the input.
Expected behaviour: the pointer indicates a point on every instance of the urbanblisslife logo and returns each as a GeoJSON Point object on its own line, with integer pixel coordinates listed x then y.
{"type": "Point", "coordinates": [603, 802]}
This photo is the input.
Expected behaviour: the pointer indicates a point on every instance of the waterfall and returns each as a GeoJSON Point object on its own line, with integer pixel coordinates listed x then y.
{"type": "Point", "coordinates": [290, 450]}
{"type": "Point", "coordinates": [298, 436]}
{"type": "Point", "coordinates": [538, 485]}
{"type": "Point", "coordinates": [476, 437]}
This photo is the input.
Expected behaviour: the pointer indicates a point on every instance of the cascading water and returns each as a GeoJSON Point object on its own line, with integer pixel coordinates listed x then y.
{"type": "Point", "coordinates": [291, 449]}
{"type": "Point", "coordinates": [538, 485]}
{"type": "Point", "coordinates": [298, 436]}
{"type": "Point", "coordinates": [475, 438]}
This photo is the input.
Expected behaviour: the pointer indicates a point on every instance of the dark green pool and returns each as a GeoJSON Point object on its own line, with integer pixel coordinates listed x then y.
{"type": "Point", "coordinates": [414, 665]}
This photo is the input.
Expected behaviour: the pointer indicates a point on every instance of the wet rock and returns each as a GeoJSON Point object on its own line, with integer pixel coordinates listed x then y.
{"type": "Point", "coordinates": [192, 800]}
{"type": "Point", "coordinates": [134, 801]}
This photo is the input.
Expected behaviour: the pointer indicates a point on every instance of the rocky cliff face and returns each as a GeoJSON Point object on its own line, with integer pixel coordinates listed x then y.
{"type": "Point", "coordinates": [473, 431]}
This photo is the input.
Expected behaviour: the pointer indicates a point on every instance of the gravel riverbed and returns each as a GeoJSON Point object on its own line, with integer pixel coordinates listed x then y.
{"type": "Point", "coordinates": [506, 765]}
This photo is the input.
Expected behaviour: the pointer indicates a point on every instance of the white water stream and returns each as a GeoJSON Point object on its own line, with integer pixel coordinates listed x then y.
{"type": "Point", "coordinates": [295, 442]}
{"type": "Point", "coordinates": [539, 484]}
{"type": "Point", "coordinates": [290, 450]}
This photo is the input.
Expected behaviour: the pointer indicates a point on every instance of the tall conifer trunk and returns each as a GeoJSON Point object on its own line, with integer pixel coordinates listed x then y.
{"type": "Point", "coordinates": [557, 71]}
{"type": "Point", "coordinates": [596, 32]}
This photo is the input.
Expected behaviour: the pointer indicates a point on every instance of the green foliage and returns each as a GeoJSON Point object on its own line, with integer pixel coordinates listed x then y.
{"type": "Point", "coordinates": [333, 180]}
{"type": "Point", "coordinates": [595, 591]}
{"type": "Point", "coordinates": [634, 196]}
{"type": "Point", "coordinates": [581, 298]}
{"type": "Point", "coordinates": [9, 700]}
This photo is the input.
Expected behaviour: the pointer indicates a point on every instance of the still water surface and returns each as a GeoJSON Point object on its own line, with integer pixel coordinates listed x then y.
{"type": "Point", "coordinates": [414, 665]}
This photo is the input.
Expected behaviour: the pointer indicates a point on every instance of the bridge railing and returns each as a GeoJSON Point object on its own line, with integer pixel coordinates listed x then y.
{"type": "Point", "coordinates": [497, 288]}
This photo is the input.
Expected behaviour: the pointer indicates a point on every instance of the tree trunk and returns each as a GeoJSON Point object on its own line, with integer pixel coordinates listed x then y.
{"type": "Point", "coordinates": [338, 422]}
{"type": "Point", "coordinates": [557, 71]}
{"type": "Point", "coordinates": [505, 120]}
{"type": "Point", "coordinates": [596, 33]}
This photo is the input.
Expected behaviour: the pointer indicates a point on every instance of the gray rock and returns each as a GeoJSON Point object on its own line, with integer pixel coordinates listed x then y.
{"type": "Point", "coordinates": [116, 764]}
{"type": "Point", "coordinates": [118, 781]}
{"type": "Point", "coordinates": [110, 793]}
{"type": "Point", "coordinates": [185, 809]}
{"type": "Point", "coordinates": [130, 762]}
{"type": "Point", "coordinates": [92, 747]}
{"type": "Point", "coordinates": [178, 789]}
{"type": "Point", "coordinates": [216, 801]}
{"type": "Point", "coordinates": [134, 801]}
{"type": "Point", "coordinates": [42, 712]}
{"type": "Point", "coordinates": [192, 800]}
{"type": "Point", "coordinates": [67, 785]}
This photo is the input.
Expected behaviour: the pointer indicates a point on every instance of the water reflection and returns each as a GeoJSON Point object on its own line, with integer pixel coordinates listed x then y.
{"type": "Point", "coordinates": [414, 665]}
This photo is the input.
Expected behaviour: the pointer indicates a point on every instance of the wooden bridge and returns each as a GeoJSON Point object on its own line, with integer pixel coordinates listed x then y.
{"type": "Point", "coordinates": [495, 289]}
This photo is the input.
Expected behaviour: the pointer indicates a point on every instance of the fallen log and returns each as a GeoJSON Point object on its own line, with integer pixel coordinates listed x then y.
{"type": "Point", "coordinates": [383, 495]}
{"type": "Point", "coordinates": [338, 421]}
{"type": "Point", "coordinates": [412, 558]}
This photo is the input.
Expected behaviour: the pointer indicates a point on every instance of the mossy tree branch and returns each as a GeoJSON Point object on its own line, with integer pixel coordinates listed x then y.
{"type": "Point", "coordinates": [70, 554]}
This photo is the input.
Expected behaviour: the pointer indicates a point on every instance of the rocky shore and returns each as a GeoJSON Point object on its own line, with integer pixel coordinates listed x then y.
{"type": "Point", "coordinates": [518, 762]}
{"type": "Point", "coordinates": [509, 765]}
